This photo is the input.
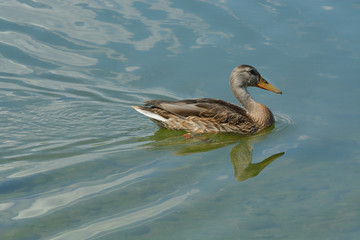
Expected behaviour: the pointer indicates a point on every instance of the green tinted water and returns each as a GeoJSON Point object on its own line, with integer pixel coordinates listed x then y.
{"type": "Point", "coordinates": [77, 162]}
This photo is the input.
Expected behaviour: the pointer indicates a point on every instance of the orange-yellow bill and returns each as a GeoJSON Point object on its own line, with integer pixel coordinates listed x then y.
{"type": "Point", "coordinates": [267, 86]}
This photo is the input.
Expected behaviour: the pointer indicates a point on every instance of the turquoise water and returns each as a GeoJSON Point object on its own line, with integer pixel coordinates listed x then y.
{"type": "Point", "coordinates": [77, 162]}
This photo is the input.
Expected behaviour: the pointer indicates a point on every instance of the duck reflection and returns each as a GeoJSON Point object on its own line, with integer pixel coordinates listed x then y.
{"type": "Point", "coordinates": [241, 158]}
{"type": "Point", "coordinates": [240, 155]}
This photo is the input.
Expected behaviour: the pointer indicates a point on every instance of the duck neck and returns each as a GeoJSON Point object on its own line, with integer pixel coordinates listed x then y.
{"type": "Point", "coordinates": [244, 98]}
{"type": "Point", "coordinates": [258, 112]}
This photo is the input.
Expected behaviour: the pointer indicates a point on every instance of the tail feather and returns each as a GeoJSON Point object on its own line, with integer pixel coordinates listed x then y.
{"type": "Point", "coordinates": [149, 113]}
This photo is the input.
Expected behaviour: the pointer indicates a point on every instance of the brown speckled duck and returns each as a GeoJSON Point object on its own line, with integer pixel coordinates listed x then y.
{"type": "Point", "coordinates": [207, 115]}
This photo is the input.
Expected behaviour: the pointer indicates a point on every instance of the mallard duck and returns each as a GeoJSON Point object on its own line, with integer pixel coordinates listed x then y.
{"type": "Point", "coordinates": [207, 115]}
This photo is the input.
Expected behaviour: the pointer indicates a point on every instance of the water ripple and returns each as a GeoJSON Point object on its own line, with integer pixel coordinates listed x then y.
{"type": "Point", "coordinates": [44, 52]}
{"type": "Point", "coordinates": [42, 205]}
{"type": "Point", "coordinates": [9, 66]}
{"type": "Point", "coordinates": [102, 227]}
{"type": "Point", "coordinates": [283, 122]}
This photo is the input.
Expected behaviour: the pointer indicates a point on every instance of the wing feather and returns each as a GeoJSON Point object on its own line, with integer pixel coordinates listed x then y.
{"type": "Point", "coordinates": [219, 110]}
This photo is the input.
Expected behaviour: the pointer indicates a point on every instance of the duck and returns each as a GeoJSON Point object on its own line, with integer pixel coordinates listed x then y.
{"type": "Point", "coordinates": [209, 115]}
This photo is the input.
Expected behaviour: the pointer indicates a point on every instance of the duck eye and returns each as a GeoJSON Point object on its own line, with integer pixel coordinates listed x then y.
{"type": "Point", "coordinates": [252, 71]}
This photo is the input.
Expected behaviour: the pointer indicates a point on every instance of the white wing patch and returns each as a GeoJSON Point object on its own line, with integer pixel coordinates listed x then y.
{"type": "Point", "coordinates": [150, 114]}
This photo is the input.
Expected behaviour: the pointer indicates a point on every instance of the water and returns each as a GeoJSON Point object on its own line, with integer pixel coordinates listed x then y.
{"type": "Point", "coordinates": [77, 162]}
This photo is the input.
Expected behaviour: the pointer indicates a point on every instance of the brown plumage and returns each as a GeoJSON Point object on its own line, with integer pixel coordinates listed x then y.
{"type": "Point", "coordinates": [207, 115]}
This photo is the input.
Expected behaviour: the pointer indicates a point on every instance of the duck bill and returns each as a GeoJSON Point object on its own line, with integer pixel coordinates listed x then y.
{"type": "Point", "coordinates": [267, 86]}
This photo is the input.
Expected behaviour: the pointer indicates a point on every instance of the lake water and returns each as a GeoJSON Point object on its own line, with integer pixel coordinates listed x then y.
{"type": "Point", "coordinates": [77, 162]}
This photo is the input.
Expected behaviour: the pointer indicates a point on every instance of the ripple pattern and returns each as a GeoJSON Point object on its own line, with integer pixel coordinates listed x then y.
{"type": "Point", "coordinates": [77, 162]}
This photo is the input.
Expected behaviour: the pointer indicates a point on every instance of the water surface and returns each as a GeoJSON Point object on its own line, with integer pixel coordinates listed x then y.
{"type": "Point", "coordinates": [77, 162]}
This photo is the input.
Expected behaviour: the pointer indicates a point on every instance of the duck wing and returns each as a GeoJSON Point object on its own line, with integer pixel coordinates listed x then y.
{"type": "Point", "coordinates": [205, 108]}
